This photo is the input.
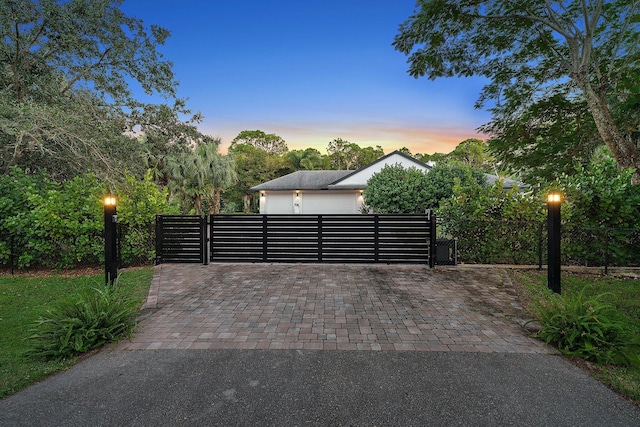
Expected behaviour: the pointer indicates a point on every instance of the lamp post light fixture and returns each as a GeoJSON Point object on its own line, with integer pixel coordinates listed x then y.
{"type": "Point", "coordinates": [554, 201]}
{"type": "Point", "coordinates": [110, 240]}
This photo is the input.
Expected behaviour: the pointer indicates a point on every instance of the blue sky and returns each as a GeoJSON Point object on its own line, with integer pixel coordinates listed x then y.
{"type": "Point", "coordinates": [310, 72]}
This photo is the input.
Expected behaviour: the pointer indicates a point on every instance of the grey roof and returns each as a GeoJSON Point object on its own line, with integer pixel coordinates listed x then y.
{"type": "Point", "coordinates": [303, 180]}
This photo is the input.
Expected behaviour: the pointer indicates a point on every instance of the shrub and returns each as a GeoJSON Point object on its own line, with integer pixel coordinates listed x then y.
{"type": "Point", "coordinates": [587, 328]}
{"type": "Point", "coordinates": [397, 190]}
{"type": "Point", "coordinates": [139, 201]}
{"type": "Point", "coordinates": [84, 322]}
{"type": "Point", "coordinates": [61, 225]}
{"type": "Point", "coordinates": [601, 215]}
{"type": "Point", "coordinates": [493, 225]}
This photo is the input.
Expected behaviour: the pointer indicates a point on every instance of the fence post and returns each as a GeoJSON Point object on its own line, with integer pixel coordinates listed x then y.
{"type": "Point", "coordinates": [203, 238]}
{"type": "Point", "coordinates": [158, 239]}
{"type": "Point", "coordinates": [431, 217]}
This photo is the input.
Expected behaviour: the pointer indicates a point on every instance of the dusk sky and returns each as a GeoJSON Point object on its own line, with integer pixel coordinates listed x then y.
{"type": "Point", "coordinates": [310, 72]}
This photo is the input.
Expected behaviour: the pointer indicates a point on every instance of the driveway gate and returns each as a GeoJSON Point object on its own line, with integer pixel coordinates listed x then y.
{"type": "Point", "coordinates": [386, 238]}
{"type": "Point", "coordinates": [181, 239]}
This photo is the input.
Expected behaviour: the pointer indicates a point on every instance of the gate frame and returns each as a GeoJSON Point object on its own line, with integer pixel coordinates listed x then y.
{"type": "Point", "coordinates": [206, 230]}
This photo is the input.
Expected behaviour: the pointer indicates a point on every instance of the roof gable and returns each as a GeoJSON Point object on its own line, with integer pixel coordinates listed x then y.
{"type": "Point", "coordinates": [358, 179]}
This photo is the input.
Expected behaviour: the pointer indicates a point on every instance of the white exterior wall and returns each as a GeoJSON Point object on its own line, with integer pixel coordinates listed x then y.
{"type": "Point", "coordinates": [361, 178]}
{"type": "Point", "coordinates": [311, 202]}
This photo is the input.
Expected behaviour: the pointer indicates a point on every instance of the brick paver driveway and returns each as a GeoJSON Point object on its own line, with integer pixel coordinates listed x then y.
{"type": "Point", "coordinates": [332, 307]}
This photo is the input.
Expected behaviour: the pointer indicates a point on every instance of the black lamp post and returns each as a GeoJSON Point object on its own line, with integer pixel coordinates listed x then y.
{"type": "Point", "coordinates": [554, 201]}
{"type": "Point", "coordinates": [110, 240]}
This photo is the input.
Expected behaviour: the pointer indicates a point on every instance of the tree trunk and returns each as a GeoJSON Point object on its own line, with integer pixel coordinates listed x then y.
{"type": "Point", "coordinates": [627, 155]}
{"type": "Point", "coordinates": [198, 205]}
{"type": "Point", "coordinates": [247, 203]}
{"type": "Point", "coordinates": [217, 201]}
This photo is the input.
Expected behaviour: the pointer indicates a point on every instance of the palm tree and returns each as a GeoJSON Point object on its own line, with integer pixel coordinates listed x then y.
{"type": "Point", "coordinates": [200, 173]}
{"type": "Point", "coordinates": [222, 174]}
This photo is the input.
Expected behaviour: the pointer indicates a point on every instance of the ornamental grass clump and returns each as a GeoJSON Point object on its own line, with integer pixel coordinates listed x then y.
{"type": "Point", "coordinates": [588, 328]}
{"type": "Point", "coordinates": [84, 322]}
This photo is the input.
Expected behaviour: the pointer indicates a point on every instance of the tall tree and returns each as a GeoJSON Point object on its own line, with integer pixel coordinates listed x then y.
{"type": "Point", "coordinates": [70, 72]}
{"type": "Point", "coordinates": [222, 174]}
{"type": "Point", "coordinates": [343, 154]}
{"type": "Point", "coordinates": [348, 155]}
{"type": "Point", "coordinates": [199, 175]}
{"type": "Point", "coordinates": [253, 166]}
{"type": "Point", "coordinates": [550, 138]}
{"type": "Point", "coordinates": [368, 155]}
{"type": "Point", "coordinates": [269, 142]}
{"type": "Point", "coordinates": [473, 152]}
{"type": "Point", "coordinates": [534, 49]}
{"type": "Point", "coordinates": [307, 159]}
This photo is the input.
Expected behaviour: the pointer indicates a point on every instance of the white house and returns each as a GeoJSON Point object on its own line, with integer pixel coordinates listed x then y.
{"type": "Point", "coordinates": [326, 191]}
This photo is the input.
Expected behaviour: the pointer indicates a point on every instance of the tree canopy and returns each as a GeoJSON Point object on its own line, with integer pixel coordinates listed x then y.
{"type": "Point", "coordinates": [350, 156]}
{"type": "Point", "coordinates": [269, 142]}
{"type": "Point", "coordinates": [531, 50]}
{"type": "Point", "coordinates": [443, 177]}
{"type": "Point", "coordinates": [69, 83]}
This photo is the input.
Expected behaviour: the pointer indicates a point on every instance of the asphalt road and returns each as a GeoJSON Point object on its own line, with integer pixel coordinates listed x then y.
{"type": "Point", "coordinates": [297, 388]}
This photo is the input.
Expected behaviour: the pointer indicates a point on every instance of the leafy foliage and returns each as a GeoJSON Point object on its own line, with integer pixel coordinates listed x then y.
{"type": "Point", "coordinates": [473, 153]}
{"type": "Point", "coordinates": [139, 201]}
{"type": "Point", "coordinates": [350, 156]}
{"type": "Point", "coordinates": [600, 195]}
{"type": "Point", "coordinates": [535, 53]}
{"type": "Point", "coordinates": [587, 328]}
{"type": "Point", "coordinates": [83, 322]}
{"type": "Point", "coordinates": [492, 224]}
{"type": "Point", "coordinates": [198, 176]}
{"type": "Point", "coordinates": [442, 178]}
{"type": "Point", "coordinates": [253, 166]}
{"type": "Point", "coordinates": [25, 298]}
{"type": "Point", "coordinates": [70, 70]}
{"type": "Point", "coordinates": [397, 190]}
{"type": "Point", "coordinates": [551, 137]}
{"type": "Point", "coordinates": [61, 226]}
{"type": "Point", "coordinates": [307, 159]}
{"type": "Point", "coordinates": [601, 214]}
{"type": "Point", "coordinates": [269, 142]}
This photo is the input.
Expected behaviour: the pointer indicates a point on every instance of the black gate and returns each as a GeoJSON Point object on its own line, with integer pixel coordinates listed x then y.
{"type": "Point", "coordinates": [181, 239]}
{"type": "Point", "coordinates": [388, 238]}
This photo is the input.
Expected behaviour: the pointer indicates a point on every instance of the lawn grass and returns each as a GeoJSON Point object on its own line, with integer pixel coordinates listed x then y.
{"type": "Point", "coordinates": [622, 294]}
{"type": "Point", "coordinates": [23, 299]}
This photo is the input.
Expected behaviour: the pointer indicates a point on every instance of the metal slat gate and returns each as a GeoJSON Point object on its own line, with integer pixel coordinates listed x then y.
{"type": "Point", "coordinates": [406, 238]}
{"type": "Point", "coordinates": [181, 239]}
{"type": "Point", "coordinates": [385, 238]}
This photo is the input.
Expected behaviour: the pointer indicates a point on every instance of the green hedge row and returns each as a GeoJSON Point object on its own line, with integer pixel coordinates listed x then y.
{"type": "Point", "coordinates": [600, 220]}
{"type": "Point", "coordinates": [61, 225]}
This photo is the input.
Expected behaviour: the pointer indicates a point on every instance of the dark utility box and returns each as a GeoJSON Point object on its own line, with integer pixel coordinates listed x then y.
{"type": "Point", "coordinates": [446, 252]}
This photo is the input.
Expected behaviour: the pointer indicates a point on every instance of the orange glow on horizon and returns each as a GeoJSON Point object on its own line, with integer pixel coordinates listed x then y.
{"type": "Point", "coordinates": [417, 140]}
